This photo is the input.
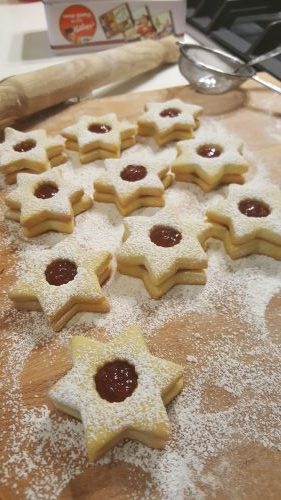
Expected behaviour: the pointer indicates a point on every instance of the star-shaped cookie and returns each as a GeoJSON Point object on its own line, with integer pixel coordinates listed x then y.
{"type": "Point", "coordinates": [164, 250]}
{"type": "Point", "coordinates": [99, 137]}
{"type": "Point", "coordinates": [172, 120]}
{"type": "Point", "coordinates": [248, 221]}
{"type": "Point", "coordinates": [213, 157]}
{"type": "Point", "coordinates": [46, 202]}
{"type": "Point", "coordinates": [31, 151]}
{"type": "Point", "coordinates": [118, 390]}
{"type": "Point", "coordinates": [133, 182]}
{"type": "Point", "coordinates": [63, 281]}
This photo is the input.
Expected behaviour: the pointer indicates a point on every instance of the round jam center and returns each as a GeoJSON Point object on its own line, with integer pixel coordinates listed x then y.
{"type": "Point", "coordinates": [60, 272]}
{"type": "Point", "coordinates": [47, 190]}
{"type": "Point", "coordinates": [170, 112]}
{"type": "Point", "coordinates": [116, 381]}
{"type": "Point", "coordinates": [99, 128]}
{"type": "Point", "coordinates": [133, 173]}
{"type": "Point", "coordinates": [209, 150]}
{"type": "Point", "coordinates": [24, 146]}
{"type": "Point", "coordinates": [165, 236]}
{"type": "Point", "coordinates": [254, 208]}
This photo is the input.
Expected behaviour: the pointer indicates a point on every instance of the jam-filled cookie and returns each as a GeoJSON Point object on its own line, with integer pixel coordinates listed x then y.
{"type": "Point", "coordinates": [134, 182]}
{"type": "Point", "coordinates": [46, 202]}
{"type": "Point", "coordinates": [168, 121]}
{"type": "Point", "coordinates": [210, 159]}
{"type": "Point", "coordinates": [118, 390]}
{"type": "Point", "coordinates": [249, 221]}
{"type": "Point", "coordinates": [63, 281]}
{"type": "Point", "coordinates": [30, 152]}
{"type": "Point", "coordinates": [99, 137]}
{"type": "Point", "coordinates": [164, 250]}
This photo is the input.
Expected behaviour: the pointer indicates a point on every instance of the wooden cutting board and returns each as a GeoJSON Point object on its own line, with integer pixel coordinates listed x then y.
{"type": "Point", "coordinates": [243, 468]}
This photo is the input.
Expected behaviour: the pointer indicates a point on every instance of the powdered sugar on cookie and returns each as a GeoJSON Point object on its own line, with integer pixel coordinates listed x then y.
{"type": "Point", "coordinates": [226, 325]}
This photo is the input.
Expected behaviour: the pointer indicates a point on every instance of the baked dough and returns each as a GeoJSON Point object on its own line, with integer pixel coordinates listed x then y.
{"type": "Point", "coordinates": [226, 179]}
{"type": "Point", "coordinates": [162, 267]}
{"type": "Point", "coordinates": [210, 159]}
{"type": "Point", "coordinates": [31, 151]}
{"type": "Point", "coordinates": [141, 415]}
{"type": "Point", "coordinates": [99, 137]}
{"type": "Point", "coordinates": [259, 232]}
{"type": "Point", "coordinates": [133, 182]}
{"type": "Point", "coordinates": [81, 293]}
{"type": "Point", "coordinates": [168, 121]}
{"type": "Point", "coordinates": [51, 210]}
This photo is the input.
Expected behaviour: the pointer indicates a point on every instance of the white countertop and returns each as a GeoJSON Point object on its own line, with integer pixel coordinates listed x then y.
{"type": "Point", "coordinates": [24, 47]}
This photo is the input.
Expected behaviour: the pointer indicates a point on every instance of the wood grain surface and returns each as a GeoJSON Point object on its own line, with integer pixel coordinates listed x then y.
{"type": "Point", "coordinates": [246, 471]}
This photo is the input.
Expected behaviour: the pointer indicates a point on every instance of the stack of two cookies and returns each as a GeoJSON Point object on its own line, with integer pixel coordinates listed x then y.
{"type": "Point", "coordinates": [62, 281]}
{"type": "Point", "coordinates": [163, 251]}
{"type": "Point", "coordinates": [133, 182]}
{"type": "Point", "coordinates": [168, 121]}
{"type": "Point", "coordinates": [99, 137]}
{"type": "Point", "coordinates": [210, 159]}
{"type": "Point", "coordinates": [46, 202]}
{"type": "Point", "coordinates": [248, 221]}
{"type": "Point", "coordinates": [32, 152]}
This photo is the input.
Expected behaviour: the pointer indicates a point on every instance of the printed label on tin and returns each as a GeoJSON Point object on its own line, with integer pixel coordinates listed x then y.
{"type": "Point", "coordinates": [78, 24]}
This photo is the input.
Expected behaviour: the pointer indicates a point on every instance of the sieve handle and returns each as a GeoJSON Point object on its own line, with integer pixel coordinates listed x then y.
{"type": "Point", "coordinates": [264, 57]}
{"type": "Point", "coordinates": [269, 85]}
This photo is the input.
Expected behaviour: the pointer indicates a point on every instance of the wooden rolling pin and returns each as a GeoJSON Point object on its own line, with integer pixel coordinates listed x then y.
{"type": "Point", "coordinates": [28, 93]}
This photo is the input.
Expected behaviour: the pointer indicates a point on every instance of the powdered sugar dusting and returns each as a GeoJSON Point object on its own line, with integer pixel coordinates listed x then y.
{"type": "Point", "coordinates": [219, 332]}
{"type": "Point", "coordinates": [162, 124]}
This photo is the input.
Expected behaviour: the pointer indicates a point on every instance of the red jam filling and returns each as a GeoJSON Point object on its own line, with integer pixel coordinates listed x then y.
{"type": "Point", "coordinates": [170, 112]}
{"type": "Point", "coordinates": [46, 190]}
{"type": "Point", "coordinates": [116, 381]}
{"type": "Point", "coordinates": [60, 271]}
{"type": "Point", "coordinates": [24, 146]}
{"type": "Point", "coordinates": [99, 128]}
{"type": "Point", "coordinates": [165, 236]}
{"type": "Point", "coordinates": [254, 208]}
{"type": "Point", "coordinates": [209, 150]}
{"type": "Point", "coordinates": [133, 173]}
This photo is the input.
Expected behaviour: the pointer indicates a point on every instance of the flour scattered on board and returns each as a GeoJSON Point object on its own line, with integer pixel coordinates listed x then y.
{"type": "Point", "coordinates": [232, 381]}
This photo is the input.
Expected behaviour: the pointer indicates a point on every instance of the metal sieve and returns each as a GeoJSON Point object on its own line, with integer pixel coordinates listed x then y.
{"type": "Point", "coordinates": [212, 71]}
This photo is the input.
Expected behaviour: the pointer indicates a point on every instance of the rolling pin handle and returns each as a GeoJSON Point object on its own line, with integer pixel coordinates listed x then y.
{"type": "Point", "coordinates": [25, 94]}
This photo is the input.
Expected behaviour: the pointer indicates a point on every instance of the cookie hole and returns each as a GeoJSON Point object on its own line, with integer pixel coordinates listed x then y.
{"type": "Point", "coordinates": [60, 271]}
{"type": "Point", "coordinates": [170, 112]}
{"type": "Point", "coordinates": [209, 150]}
{"type": "Point", "coordinates": [165, 236]}
{"type": "Point", "coordinates": [254, 208]}
{"type": "Point", "coordinates": [24, 146]}
{"type": "Point", "coordinates": [99, 128]}
{"type": "Point", "coordinates": [46, 190]}
{"type": "Point", "coordinates": [133, 173]}
{"type": "Point", "coordinates": [116, 380]}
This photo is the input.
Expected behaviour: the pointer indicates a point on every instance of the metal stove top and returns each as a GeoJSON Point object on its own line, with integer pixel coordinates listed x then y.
{"type": "Point", "coordinates": [246, 28]}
